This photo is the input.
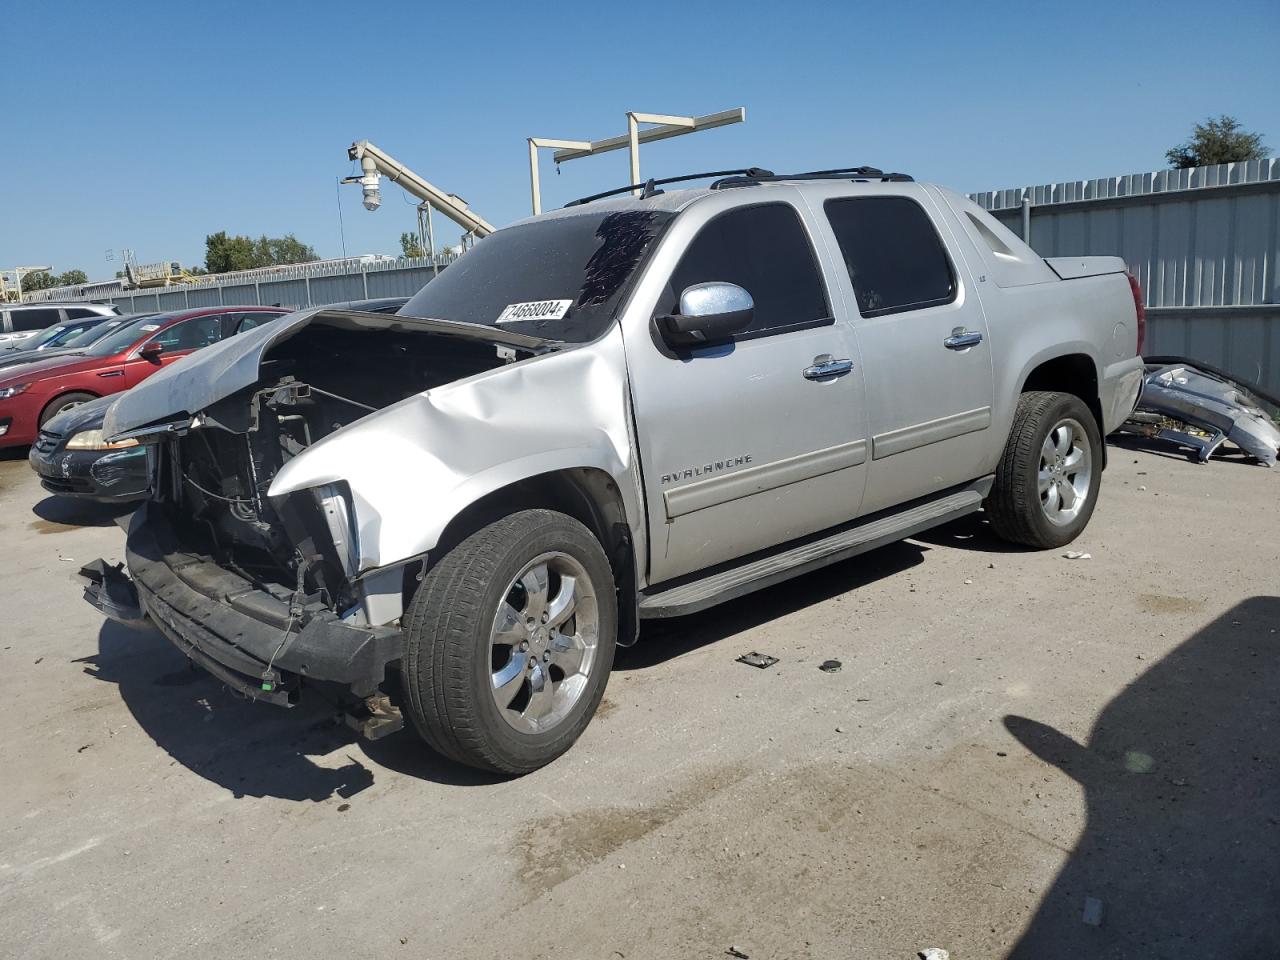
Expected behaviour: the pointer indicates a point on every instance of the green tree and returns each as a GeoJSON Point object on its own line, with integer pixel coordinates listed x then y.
{"type": "Point", "coordinates": [1217, 140]}
{"type": "Point", "coordinates": [224, 254]}
{"type": "Point", "coordinates": [43, 280]}
{"type": "Point", "coordinates": [409, 244]}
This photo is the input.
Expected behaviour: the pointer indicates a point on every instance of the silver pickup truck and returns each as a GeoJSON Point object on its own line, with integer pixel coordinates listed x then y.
{"type": "Point", "coordinates": [638, 406]}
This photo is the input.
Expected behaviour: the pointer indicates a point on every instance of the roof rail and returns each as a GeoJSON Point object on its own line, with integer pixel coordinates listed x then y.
{"type": "Point", "coordinates": [747, 177]}
{"type": "Point", "coordinates": [840, 173]}
{"type": "Point", "coordinates": [648, 187]}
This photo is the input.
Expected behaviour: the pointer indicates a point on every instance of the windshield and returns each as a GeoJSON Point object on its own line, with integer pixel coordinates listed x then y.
{"type": "Point", "coordinates": [47, 335]}
{"type": "Point", "coordinates": [560, 278]}
{"type": "Point", "coordinates": [60, 336]}
{"type": "Point", "coordinates": [122, 335]}
{"type": "Point", "coordinates": [81, 338]}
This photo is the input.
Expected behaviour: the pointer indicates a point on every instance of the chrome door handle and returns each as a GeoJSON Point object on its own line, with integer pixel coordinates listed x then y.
{"type": "Point", "coordinates": [826, 366]}
{"type": "Point", "coordinates": [962, 339]}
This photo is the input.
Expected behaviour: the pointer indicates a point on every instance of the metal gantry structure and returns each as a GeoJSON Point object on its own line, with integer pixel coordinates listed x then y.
{"type": "Point", "coordinates": [641, 128]}
{"type": "Point", "coordinates": [656, 126]}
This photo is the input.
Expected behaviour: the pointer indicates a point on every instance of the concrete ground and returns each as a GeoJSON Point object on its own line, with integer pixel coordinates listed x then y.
{"type": "Point", "coordinates": [1023, 755]}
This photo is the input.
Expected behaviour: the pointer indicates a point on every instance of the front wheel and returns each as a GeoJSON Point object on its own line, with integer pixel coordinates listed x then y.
{"type": "Point", "coordinates": [1047, 482]}
{"type": "Point", "coordinates": [509, 642]}
{"type": "Point", "coordinates": [62, 404]}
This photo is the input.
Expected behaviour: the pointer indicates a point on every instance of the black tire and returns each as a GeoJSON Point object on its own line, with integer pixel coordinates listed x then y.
{"type": "Point", "coordinates": [448, 660]}
{"type": "Point", "coordinates": [1015, 506]}
{"type": "Point", "coordinates": [64, 402]}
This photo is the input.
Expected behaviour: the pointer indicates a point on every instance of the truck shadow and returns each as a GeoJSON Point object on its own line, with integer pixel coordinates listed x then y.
{"type": "Point", "coordinates": [255, 750]}
{"type": "Point", "coordinates": [74, 512]}
{"type": "Point", "coordinates": [662, 640]}
{"type": "Point", "coordinates": [1181, 774]}
{"type": "Point", "coordinates": [252, 749]}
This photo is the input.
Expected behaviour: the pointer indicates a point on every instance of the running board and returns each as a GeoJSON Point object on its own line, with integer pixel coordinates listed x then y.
{"type": "Point", "coordinates": [755, 574]}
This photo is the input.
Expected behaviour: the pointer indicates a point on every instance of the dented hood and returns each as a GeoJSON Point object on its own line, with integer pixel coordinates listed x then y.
{"type": "Point", "coordinates": [183, 389]}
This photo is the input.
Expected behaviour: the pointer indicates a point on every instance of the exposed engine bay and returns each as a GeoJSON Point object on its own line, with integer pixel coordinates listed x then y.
{"type": "Point", "coordinates": [214, 479]}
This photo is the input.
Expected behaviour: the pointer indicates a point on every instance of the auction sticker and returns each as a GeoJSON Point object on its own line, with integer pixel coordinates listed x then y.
{"type": "Point", "coordinates": [535, 310]}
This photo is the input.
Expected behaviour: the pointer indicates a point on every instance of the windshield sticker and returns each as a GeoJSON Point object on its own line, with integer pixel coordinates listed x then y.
{"type": "Point", "coordinates": [149, 327]}
{"type": "Point", "coordinates": [536, 310]}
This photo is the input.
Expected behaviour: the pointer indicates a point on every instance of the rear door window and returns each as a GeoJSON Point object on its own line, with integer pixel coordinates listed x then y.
{"type": "Point", "coordinates": [895, 259]}
{"type": "Point", "coordinates": [765, 250]}
{"type": "Point", "coordinates": [36, 319]}
{"type": "Point", "coordinates": [250, 320]}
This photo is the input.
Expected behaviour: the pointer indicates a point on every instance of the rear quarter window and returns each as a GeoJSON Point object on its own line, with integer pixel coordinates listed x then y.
{"type": "Point", "coordinates": [895, 259]}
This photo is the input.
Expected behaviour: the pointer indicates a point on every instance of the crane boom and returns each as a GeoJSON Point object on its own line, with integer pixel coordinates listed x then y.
{"type": "Point", "coordinates": [374, 162]}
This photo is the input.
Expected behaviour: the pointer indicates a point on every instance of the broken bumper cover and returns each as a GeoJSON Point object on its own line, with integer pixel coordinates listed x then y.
{"type": "Point", "coordinates": [242, 634]}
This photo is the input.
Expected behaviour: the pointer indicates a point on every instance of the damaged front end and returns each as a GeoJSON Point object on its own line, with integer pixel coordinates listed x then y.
{"type": "Point", "coordinates": [267, 591]}
{"type": "Point", "coordinates": [1200, 407]}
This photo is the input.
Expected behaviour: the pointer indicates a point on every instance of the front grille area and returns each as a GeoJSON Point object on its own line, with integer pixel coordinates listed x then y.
{"type": "Point", "coordinates": [47, 441]}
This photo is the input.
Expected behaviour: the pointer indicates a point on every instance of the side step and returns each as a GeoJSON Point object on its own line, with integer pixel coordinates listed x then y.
{"type": "Point", "coordinates": [723, 584]}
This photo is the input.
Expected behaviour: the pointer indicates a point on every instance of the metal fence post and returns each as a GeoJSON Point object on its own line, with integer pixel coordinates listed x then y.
{"type": "Point", "coordinates": [307, 283]}
{"type": "Point", "coordinates": [1026, 218]}
{"type": "Point", "coordinates": [364, 277]}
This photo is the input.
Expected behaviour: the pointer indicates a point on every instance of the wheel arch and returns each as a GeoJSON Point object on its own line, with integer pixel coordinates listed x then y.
{"type": "Point", "coordinates": [1073, 373]}
{"type": "Point", "coordinates": [59, 395]}
{"type": "Point", "coordinates": [587, 494]}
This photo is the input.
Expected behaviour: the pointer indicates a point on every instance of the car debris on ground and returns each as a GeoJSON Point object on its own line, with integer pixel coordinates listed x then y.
{"type": "Point", "coordinates": [761, 660]}
{"type": "Point", "coordinates": [1196, 405]}
{"type": "Point", "coordinates": [830, 666]}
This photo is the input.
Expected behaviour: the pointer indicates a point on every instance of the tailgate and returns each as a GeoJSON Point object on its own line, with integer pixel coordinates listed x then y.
{"type": "Point", "coordinates": [1072, 268]}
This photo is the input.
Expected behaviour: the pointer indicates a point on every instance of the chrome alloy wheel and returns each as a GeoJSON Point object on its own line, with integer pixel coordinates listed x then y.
{"type": "Point", "coordinates": [543, 643]}
{"type": "Point", "coordinates": [1066, 472]}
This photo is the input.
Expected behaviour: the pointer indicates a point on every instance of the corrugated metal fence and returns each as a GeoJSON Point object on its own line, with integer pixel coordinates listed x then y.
{"type": "Point", "coordinates": [303, 286]}
{"type": "Point", "coordinates": [1203, 242]}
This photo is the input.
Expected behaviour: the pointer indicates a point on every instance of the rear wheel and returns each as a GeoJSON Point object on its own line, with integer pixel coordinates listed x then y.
{"type": "Point", "coordinates": [62, 403]}
{"type": "Point", "coordinates": [509, 642]}
{"type": "Point", "coordinates": [1047, 482]}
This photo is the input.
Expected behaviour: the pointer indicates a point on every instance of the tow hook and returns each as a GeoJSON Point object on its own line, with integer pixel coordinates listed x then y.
{"type": "Point", "coordinates": [113, 593]}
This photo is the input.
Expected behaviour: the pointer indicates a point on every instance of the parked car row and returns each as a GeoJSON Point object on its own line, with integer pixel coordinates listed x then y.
{"type": "Point", "coordinates": [21, 321]}
{"type": "Point", "coordinates": [61, 395]}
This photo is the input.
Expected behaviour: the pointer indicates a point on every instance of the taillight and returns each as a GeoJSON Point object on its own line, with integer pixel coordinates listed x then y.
{"type": "Point", "coordinates": [1140, 309]}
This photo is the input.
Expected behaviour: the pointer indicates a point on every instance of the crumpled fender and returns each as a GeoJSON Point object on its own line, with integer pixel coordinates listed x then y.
{"type": "Point", "coordinates": [414, 466]}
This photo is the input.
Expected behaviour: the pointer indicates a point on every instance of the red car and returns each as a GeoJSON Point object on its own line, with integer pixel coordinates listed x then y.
{"type": "Point", "coordinates": [32, 394]}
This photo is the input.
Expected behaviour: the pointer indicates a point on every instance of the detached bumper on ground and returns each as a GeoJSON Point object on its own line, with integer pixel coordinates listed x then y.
{"type": "Point", "coordinates": [248, 637]}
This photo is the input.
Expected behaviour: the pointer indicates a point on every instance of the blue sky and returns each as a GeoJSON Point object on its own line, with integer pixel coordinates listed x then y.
{"type": "Point", "coordinates": [150, 125]}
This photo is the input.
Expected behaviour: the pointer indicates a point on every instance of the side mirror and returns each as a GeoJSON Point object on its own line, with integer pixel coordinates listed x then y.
{"type": "Point", "coordinates": [709, 313]}
{"type": "Point", "coordinates": [151, 351]}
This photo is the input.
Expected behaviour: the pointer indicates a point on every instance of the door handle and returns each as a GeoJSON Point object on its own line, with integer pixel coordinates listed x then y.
{"type": "Point", "coordinates": [825, 366]}
{"type": "Point", "coordinates": [962, 339]}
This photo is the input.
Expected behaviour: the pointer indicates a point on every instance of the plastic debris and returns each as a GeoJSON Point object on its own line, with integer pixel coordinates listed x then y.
{"type": "Point", "coordinates": [1092, 911]}
{"type": "Point", "coordinates": [830, 666]}
{"type": "Point", "coordinates": [1077, 555]}
{"type": "Point", "coordinates": [735, 952]}
{"type": "Point", "coordinates": [934, 953]}
{"type": "Point", "coordinates": [761, 660]}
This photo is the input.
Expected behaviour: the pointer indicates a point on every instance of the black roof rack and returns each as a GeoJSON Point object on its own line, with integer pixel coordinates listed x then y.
{"type": "Point", "coordinates": [747, 177]}
{"type": "Point", "coordinates": [840, 173]}
{"type": "Point", "coordinates": [648, 187]}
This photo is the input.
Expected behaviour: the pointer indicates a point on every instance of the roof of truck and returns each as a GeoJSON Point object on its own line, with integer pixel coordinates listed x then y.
{"type": "Point", "coordinates": [655, 198]}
